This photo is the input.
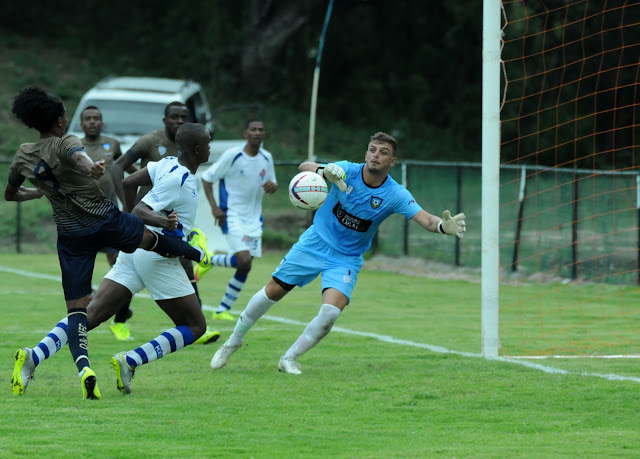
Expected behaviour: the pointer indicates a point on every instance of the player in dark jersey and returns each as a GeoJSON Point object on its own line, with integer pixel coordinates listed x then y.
{"type": "Point", "coordinates": [174, 194]}
{"type": "Point", "coordinates": [100, 147]}
{"type": "Point", "coordinates": [86, 219]}
{"type": "Point", "coordinates": [153, 147]}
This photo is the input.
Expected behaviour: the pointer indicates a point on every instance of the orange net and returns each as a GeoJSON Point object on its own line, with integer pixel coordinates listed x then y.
{"type": "Point", "coordinates": [569, 232]}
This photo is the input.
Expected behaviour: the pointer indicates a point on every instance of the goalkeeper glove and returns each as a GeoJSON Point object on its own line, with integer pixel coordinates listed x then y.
{"type": "Point", "coordinates": [452, 225]}
{"type": "Point", "coordinates": [335, 174]}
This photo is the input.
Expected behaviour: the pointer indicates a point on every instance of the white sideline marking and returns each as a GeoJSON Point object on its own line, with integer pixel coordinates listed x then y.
{"type": "Point", "coordinates": [383, 338]}
{"type": "Point", "coordinates": [540, 357]}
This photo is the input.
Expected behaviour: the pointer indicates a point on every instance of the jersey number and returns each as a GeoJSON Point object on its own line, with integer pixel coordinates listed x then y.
{"type": "Point", "coordinates": [44, 174]}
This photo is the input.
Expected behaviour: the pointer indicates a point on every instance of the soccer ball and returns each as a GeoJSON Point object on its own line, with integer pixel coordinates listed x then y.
{"type": "Point", "coordinates": [307, 190]}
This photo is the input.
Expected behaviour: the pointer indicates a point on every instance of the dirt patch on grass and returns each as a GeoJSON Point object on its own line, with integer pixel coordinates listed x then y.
{"type": "Point", "coordinates": [419, 267]}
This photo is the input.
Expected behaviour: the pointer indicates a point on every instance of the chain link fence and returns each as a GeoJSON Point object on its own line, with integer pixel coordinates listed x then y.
{"type": "Point", "coordinates": [567, 223]}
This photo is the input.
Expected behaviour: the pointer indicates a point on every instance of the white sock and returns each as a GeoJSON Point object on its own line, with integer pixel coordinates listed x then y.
{"type": "Point", "coordinates": [258, 305]}
{"type": "Point", "coordinates": [317, 329]}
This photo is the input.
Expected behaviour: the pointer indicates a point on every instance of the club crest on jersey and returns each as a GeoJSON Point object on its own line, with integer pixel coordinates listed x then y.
{"type": "Point", "coordinates": [375, 202]}
{"type": "Point", "coordinates": [106, 146]}
{"type": "Point", "coordinates": [162, 150]}
{"type": "Point", "coordinates": [263, 172]}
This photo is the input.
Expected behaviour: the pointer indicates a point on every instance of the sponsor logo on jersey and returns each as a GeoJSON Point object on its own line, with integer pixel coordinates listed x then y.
{"type": "Point", "coordinates": [350, 221]}
{"type": "Point", "coordinates": [375, 202]}
{"type": "Point", "coordinates": [162, 150]}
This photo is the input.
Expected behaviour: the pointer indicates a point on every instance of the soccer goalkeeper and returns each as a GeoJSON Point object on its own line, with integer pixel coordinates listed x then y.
{"type": "Point", "coordinates": [364, 196]}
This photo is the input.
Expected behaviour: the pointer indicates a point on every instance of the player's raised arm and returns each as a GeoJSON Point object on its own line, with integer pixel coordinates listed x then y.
{"type": "Point", "coordinates": [81, 161]}
{"type": "Point", "coordinates": [123, 163]}
{"type": "Point", "coordinates": [20, 193]}
{"type": "Point", "coordinates": [332, 172]}
{"type": "Point", "coordinates": [130, 187]}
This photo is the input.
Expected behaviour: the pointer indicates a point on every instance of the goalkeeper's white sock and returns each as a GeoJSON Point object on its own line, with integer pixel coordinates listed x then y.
{"type": "Point", "coordinates": [317, 329]}
{"type": "Point", "coordinates": [51, 343]}
{"type": "Point", "coordinates": [258, 305]}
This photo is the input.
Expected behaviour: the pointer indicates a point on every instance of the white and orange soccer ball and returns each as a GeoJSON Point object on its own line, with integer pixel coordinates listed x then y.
{"type": "Point", "coordinates": [307, 190]}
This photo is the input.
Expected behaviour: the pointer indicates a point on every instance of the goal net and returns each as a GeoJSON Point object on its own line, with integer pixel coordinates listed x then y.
{"type": "Point", "coordinates": [569, 179]}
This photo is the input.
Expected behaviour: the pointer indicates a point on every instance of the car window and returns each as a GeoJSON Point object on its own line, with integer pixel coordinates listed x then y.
{"type": "Point", "coordinates": [123, 117]}
{"type": "Point", "coordinates": [197, 108]}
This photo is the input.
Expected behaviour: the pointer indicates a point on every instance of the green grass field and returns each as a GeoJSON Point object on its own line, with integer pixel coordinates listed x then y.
{"type": "Point", "coordinates": [400, 376]}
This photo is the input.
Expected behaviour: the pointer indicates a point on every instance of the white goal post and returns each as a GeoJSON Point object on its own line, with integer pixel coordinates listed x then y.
{"type": "Point", "coordinates": [491, 39]}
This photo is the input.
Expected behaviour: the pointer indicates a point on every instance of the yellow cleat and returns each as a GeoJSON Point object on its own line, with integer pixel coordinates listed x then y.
{"type": "Point", "coordinates": [198, 239]}
{"type": "Point", "coordinates": [89, 384]}
{"type": "Point", "coordinates": [208, 337]}
{"type": "Point", "coordinates": [22, 371]}
{"type": "Point", "coordinates": [121, 331]}
{"type": "Point", "coordinates": [224, 315]}
{"type": "Point", "coordinates": [124, 373]}
{"type": "Point", "coordinates": [199, 271]}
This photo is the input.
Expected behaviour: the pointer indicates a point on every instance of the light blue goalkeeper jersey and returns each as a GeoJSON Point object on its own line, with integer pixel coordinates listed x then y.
{"type": "Point", "coordinates": [348, 220]}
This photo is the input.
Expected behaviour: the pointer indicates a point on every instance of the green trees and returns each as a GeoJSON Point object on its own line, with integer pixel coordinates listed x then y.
{"type": "Point", "coordinates": [406, 66]}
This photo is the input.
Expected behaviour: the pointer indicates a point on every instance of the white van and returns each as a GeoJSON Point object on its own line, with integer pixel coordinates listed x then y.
{"type": "Point", "coordinates": [134, 106]}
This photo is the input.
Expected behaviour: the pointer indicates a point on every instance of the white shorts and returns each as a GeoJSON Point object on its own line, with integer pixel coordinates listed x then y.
{"type": "Point", "coordinates": [165, 278]}
{"type": "Point", "coordinates": [241, 242]}
{"type": "Point", "coordinates": [241, 237]}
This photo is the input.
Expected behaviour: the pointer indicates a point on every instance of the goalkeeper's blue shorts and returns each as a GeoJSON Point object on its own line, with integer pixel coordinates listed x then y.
{"type": "Point", "coordinates": [311, 256]}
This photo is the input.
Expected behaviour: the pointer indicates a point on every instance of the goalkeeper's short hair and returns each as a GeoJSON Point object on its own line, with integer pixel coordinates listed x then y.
{"type": "Point", "coordinates": [384, 137]}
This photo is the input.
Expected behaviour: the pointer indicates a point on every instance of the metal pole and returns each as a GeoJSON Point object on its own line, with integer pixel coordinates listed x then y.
{"type": "Point", "coordinates": [314, 91]}
{"type": "Point", "coordinates": [516, 242]}
{"type": "Point", "coordinates": [18, 227]}
{"type": "Point", "coordinates": [405, 246]}
{"type": "Point", "coordinates": [574, 230]}
{"type": "Point", "coordinates": [458, 207]}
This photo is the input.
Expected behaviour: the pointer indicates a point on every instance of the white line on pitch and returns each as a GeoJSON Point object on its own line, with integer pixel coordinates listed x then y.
{"type": "Point", "coordinates": [386, 339]}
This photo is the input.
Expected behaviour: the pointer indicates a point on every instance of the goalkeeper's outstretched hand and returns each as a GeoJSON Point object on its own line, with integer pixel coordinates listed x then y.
{"type": "Point", "coordinates": [453, 225]}
{"type": "Point", "coordinates": [336, 175]}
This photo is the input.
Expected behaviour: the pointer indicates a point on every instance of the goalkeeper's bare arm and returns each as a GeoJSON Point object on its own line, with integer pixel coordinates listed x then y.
{"type": "Point", "coordinates": [455, 226]}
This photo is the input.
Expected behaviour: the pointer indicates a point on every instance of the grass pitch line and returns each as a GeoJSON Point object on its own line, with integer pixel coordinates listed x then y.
{"type": "Point", "coordinates": [383, 338]}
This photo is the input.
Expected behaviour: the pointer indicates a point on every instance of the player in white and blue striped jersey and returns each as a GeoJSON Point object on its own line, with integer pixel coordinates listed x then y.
{"type": "Point", "coordinates": [342, 231]}
{"type": "Point", "coordinates": [244, 175]}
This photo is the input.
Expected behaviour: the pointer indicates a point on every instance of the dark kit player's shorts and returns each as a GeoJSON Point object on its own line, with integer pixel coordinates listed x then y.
{"type": "Point", "coordinates": [77, 253]}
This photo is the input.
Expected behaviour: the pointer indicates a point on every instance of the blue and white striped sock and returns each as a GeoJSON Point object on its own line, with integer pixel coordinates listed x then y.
{"type": "Point", "coordinates": [51, 343]}
{"type": "Point", "coordinates": [231, 293]}
{"type": "Point", "coordinates": [227, 261]}
{"type": "Point", "coordinates": [169, 341]}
